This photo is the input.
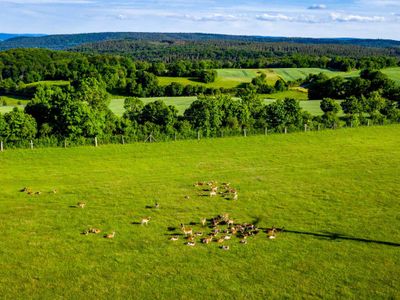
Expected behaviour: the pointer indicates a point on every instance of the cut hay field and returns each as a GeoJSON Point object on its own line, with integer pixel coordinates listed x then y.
{"type": "Point", "coordinates": [335, 192]}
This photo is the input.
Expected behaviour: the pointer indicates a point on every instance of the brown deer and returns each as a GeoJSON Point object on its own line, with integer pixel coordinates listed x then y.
{"type": "Point", "coordinates": [94, 230]}
{"type": "Point", "coordinates": [271, 232]}
{"type": "Point", "coordinates": [145, 221]}
{"type": "Point", "coordinates": [186, 230]}
{"type": "Point", "coordinates": [207, 240]}
{"type": "Point", "coordinates": [110, 235]}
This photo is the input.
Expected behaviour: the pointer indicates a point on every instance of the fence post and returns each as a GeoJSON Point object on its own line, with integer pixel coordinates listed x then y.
{"type": "Point", "coordinates": [123, 140]}
{"type": "Point", "coordinates": [245, 132]}
{"type": "Point", "coordinates": [319, 127]}
{"type": "Point", "coordinates": [175, 136]}
{"type": "Point", "coordinates": [305, 127]}
{"type": "Point", "coordinates": [266, 131]}
{"type": "Point", "coordinates": [285, 130]}
{"type": "Point", "coordinates": [198, 135]}
{"type": "Point", "coordinates": [65, 143]}
{"type": "Point", "coordinates": [368, 123]}
{"type": "Point", "coordinates": [1, 146]}
{"type": "Point", "coordinates": [95, 141]}
{"type": "Point", "coordinates": [31, 143]}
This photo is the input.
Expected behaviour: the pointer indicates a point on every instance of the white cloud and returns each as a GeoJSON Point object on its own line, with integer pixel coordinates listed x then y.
{"type": "Point", "coordinates": [212, 18]}
{"type": "Point", "coordinates": [339, 17]}
{"type": "Point", "coordinates": [274, 17]}
{"type": "Point", "coordinates": [317, 6]}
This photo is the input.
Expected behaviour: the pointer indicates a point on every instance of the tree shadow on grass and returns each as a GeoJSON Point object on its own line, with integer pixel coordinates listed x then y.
{"type": "Point", "coordinates": [334, 236]}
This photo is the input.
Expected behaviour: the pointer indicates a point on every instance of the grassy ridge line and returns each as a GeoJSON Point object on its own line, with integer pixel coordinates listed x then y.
{"type": "Point", "coordinates": [333, 181]}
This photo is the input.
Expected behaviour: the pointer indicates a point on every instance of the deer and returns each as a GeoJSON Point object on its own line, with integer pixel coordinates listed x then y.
{"type": "Point", "coordinates": [94, 230]}
{"type": "Point", "coordinates": [220, 240]}
{"type": "Point", "coordinates": [110, 235]}
{"type": "Point", "coordinates": [271, 232]}
{"type": "Point", "coordinates": [38, 193]}
{"type": "Point", "coordinates": [203, 221]}
{"type": "Point", "coordinates": [227, 237]}
{"type": "Point", "coordinates": [213, 194]}
{"type": "Point", "coordinates": [230, 222]}
{"type": "Point", "coordinates": [145, 221]}
{"type": "Point", "coordinates": [174, 238]}
{"type": "Point", "coordinates": [54, 191]}
{"type": "Point", "coordinates": [235, 196]}
{"type": "Point", "coordinates": [225, 247]}
{"type": "Point", "coordinates": [186, 230]}
{"type": "Point", "coordinates": [199, 233]}
{"type": "Point", "coordinates": [207, 240]}
{"type": "Point", "coordinates": [191, 244]}
{"type": "Point", "coordinates": [81, 204]}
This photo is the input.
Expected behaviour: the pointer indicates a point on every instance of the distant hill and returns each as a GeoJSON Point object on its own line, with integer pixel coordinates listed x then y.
{"type": "Point", "coordinates": [7, 36]}
{"type": "Point", "coordinates": [68, 41]}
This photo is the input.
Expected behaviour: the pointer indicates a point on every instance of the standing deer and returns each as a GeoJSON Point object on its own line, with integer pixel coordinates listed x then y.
{"type": "Point", "coordinates": [145, 221]}
{"type": "Point", "coordinates": [186, 230]}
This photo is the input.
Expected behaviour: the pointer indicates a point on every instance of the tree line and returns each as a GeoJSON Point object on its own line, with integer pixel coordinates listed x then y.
{"type": "Point", "coordinates": [81, 111]}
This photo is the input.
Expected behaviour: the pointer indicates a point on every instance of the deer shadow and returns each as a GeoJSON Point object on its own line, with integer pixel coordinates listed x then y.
{"type": "Point", "coordinates": [335, 236]}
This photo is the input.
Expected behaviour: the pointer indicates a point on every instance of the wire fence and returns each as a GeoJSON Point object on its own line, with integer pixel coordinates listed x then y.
{"type": "Point", "coordinates": [157, 137]}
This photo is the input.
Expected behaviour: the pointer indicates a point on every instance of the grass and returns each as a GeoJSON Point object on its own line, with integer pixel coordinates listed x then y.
{"type": "Point", "coordinates": [336, 193]}
{"type": "Point", "coordinates": [48, 82]}
{"type": "Point", "coordinates": [226, 78]}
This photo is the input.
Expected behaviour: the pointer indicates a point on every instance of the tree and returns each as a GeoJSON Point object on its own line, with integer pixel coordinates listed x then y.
{"type": "Point", "coordinates": [208, 76]}
{"type": "Point", "coordinates": [133, 108]}
{"type": "Point", "coordinates": [20, 126]}
{"type": "Point", "coordinates": [330, 109]}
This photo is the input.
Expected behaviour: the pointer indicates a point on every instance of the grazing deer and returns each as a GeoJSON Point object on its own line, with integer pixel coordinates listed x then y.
{"type": "Point", "coordinates": [187, 197]}
{"type": "Point", "coordinates": [94, 230]}
{"type": "Point", "coordinates": [213, 194]}
{"type": "Point", "coordinates": [156, 205]}
{"type": "Point", "coordinates": [207, 240]}
{"type": "Point", "coordinates": [110, 235]}
{"type": "Point", "coordinates": [174, 238]}
{"type": "Point", "coordinates": [81, 204]}
{"type": "Point", "coordinates": [145, 221]}
{"type": "Point", "coordinates": [191, 244]}
{"type": "Point", "coordinates": [203, 221]}
{"type": "Point", "coordinates": [186, 230]}
{"type": "Point", "coordinates": [224, 247]}
{"type": "Point", "coordinates": [198, 233]}
{"type": "Point", "coordinates": [243, 241]}
{"type": "Point", "coordinates": [214, 188]}
{"type": "Point", "coordinates": [38, 193]}
{"type": "Point", "coordinates": [85, 232]}
{"type": "Point", "coordinates": [227, 237]}
{"type": "Point", "coordinates": [190, 238]}
{"type": "Point", "coordinates": [220, 240]}
{"type": "Point", "coordinates": [271, 232]}
{"type": "Point", "coordinates": [230, 222]}
{"type": "Point", "coordinates": [233, 230]}
{"type": "Point", "coordinates": [200, 183]}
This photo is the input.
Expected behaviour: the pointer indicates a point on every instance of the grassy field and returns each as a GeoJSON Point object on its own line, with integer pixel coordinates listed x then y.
{"type": "Point", "coordinates": [335, 192]}
{"type": "Point", "coordinates": [227, 78]}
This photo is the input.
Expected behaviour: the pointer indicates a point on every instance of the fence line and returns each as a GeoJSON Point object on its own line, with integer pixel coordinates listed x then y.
{"type": "Point", "coordinates": [121, 139]}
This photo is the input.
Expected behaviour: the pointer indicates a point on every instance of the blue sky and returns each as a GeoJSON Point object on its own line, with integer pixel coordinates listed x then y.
{"type": "Point", "coordinates": [351, 18]}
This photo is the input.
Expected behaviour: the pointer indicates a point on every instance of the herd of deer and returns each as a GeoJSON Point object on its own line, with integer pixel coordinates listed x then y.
{"type": "Point", "coordinates": [219, 234]}
{"type": "Point", "coordinates": [224, 189]}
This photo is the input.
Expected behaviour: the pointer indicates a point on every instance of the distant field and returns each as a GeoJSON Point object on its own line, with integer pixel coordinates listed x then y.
{"type": "Point", "coordinates": [227, 78]}
{"type": "Point", "coordinates": [336, 193]}
{"type": "Point", "coordinates": [230, 78]}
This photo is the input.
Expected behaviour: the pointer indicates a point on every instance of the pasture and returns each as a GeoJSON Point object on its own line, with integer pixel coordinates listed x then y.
{"type": "Point", "coordinates": [335, 192]}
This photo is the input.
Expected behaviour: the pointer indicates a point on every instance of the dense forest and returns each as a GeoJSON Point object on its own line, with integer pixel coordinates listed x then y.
{"type": "Point", "coordinates": [66, 41]}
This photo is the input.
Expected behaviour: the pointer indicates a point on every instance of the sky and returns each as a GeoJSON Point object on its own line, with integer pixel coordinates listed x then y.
{"type": "Point", "coordinates": [302, 18]}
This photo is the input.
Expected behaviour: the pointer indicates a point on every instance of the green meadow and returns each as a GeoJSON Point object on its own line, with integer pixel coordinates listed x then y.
{"type": "Point", "coordinates": [336, 193]}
